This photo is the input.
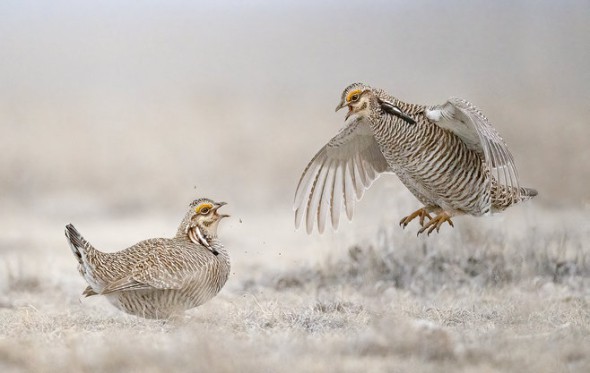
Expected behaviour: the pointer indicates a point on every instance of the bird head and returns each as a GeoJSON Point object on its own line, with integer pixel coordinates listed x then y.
{"type": "Point", "coordinates": [200, 224]}
{"type": "Point", "coordinates": [357, 97]}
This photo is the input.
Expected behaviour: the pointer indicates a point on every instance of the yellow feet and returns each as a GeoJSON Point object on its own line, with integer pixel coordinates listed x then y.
{"type": "Point", "coordinates": [436, 222]}
{"type": "Point", "coordinates": [422, 213]}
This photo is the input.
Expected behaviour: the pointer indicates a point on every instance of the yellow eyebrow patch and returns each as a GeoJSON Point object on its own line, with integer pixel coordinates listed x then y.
{"type": "Point", "coordinates": [202, 206]}
{"type": "Point", "coordinates": [352, 93]}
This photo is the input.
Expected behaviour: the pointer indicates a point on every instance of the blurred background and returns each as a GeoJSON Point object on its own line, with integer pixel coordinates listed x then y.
{"type": "Point", "coordinates": [116, 111]}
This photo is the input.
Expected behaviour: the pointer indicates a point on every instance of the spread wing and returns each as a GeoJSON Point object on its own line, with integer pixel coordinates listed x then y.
{"type": "Point", "coordinates": [338, 175]}
{"type": "Point", "coordinates": [468, 123]}
{"type": "Point", "coordinates": [164, 267]}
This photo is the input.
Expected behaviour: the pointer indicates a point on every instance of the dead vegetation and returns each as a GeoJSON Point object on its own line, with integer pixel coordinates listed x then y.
{"type": "Point", "coordinates": [469, 301]}
{"type": "Point", "coordinates": [470, 259]}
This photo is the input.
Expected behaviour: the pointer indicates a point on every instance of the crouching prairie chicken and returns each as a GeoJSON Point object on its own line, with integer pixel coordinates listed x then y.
{"type": "Point", "coordinates": [159, 277]}
{"type": "Point", "coordinates": [449, 156]}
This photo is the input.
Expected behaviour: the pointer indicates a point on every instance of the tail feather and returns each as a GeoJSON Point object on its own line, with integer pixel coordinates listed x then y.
{"type": "Point", "coordinates": [86, 256]}
{"type": "Point", "coordinates": [77, 243]}
{"type": "Point", "coordinates": [527, 193]}
{"type": "Point", "coordinates": [503, 196]}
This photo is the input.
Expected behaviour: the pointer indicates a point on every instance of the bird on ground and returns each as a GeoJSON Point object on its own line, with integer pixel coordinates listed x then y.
{"type": "Point", "coordinates": [449, 156]}
{"type": "Point", "coordinates": [160, 277]}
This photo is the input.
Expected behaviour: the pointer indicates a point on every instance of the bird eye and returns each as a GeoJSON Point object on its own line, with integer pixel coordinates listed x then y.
{"type": "Point", "coordinates": [354, 97]}
{"type": "Point", "coordinates": [204, 210]}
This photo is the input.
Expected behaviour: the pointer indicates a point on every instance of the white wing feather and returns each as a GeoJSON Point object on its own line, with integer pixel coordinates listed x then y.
{"type": "Point", "coordinates": [338, 174]}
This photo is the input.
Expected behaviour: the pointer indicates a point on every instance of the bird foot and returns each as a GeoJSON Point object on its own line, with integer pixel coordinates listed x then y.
{"type": "Point", "coordinates": [436, 223]}
{"type": "Point", "coordinates": [421, 213]}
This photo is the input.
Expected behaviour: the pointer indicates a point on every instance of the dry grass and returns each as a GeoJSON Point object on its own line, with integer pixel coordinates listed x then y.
{"type": "Point", "coordinates": [463, 301]}
{"type": "Point", "coordinates": [472, 259]}
{"type": "Point", "coordinates": [115, 115]}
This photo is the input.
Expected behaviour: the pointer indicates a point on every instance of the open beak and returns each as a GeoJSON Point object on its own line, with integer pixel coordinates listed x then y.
{"type": "Point", "coordinates": [341, 105]}
{"type": "Point", "coordinates": [221, 216]}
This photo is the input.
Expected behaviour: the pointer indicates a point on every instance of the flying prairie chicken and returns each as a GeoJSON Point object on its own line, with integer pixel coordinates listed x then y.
{"type": "Point", "coordinates": [449, 156]}
{"type": "Point", "coordinates": [159, 277]}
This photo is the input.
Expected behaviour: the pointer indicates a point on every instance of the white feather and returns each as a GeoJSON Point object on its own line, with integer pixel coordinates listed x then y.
{"type": "Point", "coordinates": [340, 171]}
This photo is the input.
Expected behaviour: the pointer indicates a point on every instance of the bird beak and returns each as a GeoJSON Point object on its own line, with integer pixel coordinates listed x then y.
{"type": "Point", "coordinates": [217, 207]}
{"type": "Point", "coordinates": [340, 106]}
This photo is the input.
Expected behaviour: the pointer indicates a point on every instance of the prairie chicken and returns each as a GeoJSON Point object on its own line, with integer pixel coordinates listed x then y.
{"type": "Point", "coordinates": [159, 277]}
{"type": "Point", "coordinates": [449, 156]}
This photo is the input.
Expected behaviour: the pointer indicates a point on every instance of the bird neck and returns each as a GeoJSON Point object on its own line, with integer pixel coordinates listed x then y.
{"type": "Point", "coordinates": [182, 228]}
{"type": "Point", "coordinates": [222, 255]}
{"type": "Point", "coordinates": [390, 129]}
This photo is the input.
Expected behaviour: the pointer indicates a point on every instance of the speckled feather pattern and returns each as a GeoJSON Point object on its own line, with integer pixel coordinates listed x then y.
{"type": "Point", "coordinates": [449, 156]}
{"type": "Point", "coordinates": [155, 278]}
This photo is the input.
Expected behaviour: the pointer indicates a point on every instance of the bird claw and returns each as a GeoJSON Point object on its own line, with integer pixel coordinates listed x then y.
{"type": "Point", "coordinates": [421, 213]}
{"type": "Point", "coordinates": [436, 223]}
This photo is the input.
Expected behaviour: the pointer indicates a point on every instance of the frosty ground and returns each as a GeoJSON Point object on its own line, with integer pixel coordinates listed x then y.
{"type": "Point", "coordinates": [114, 116]}
{"type": "Point", "coordinates": [510, 295]}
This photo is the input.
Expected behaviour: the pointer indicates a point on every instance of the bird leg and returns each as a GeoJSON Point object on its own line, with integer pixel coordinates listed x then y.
{"type": "Point", "coordinates": [436, 222]}
{"type": "Point", "coordinates": [422, 213]}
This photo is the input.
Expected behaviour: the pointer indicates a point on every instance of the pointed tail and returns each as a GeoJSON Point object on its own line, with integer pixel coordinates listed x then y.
{"type": "Point", "coordinates": [84, 253]}
{"type": "Point", "coordinates": [527, 193]}
{"type": "Point", "coordinates": [77, 243]}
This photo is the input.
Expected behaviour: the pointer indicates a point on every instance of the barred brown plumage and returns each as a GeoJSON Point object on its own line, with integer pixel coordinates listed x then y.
{"type": "Point", "coordinates": [159, 277]}
{"type": "Point", "coordinates": [449, 156]}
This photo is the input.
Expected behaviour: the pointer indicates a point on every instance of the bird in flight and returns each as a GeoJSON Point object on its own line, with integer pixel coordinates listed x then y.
{"type": "Point", "coordinates": [449, 156]}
